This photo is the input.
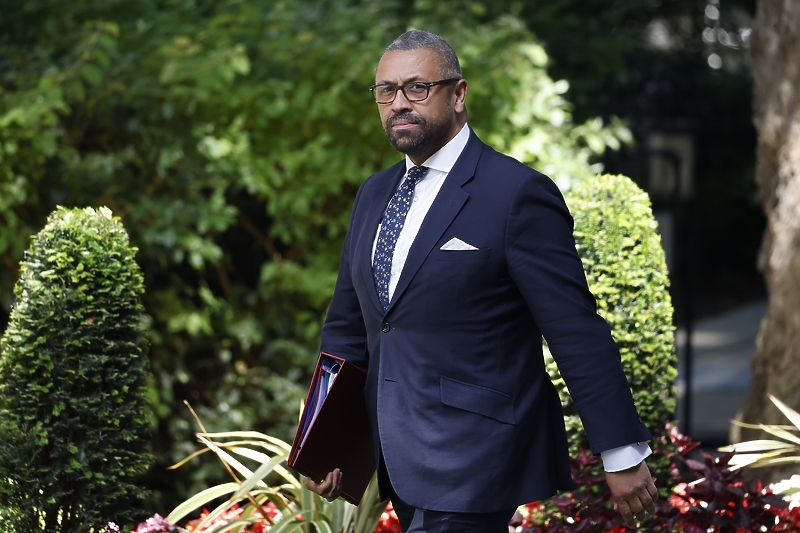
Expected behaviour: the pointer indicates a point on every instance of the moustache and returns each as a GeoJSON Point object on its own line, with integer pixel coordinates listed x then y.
{"type": "Point", "coordinates": [405, 117]}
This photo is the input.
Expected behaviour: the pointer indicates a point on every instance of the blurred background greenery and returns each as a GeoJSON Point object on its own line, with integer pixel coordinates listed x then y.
{"type": "Point", "coordinates": [230, 136]}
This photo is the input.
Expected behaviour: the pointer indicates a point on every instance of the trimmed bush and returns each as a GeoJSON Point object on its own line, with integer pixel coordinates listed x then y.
{"type": "Point", "coordinates": [618, 242]}
{"type": "Point", "coordinates": [73, 418]}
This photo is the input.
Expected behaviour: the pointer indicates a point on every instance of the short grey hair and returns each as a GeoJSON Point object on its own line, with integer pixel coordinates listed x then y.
{"type": "Point", "coordinates": [447, 65]}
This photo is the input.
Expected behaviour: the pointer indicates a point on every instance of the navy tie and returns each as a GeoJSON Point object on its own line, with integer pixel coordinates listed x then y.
{"type": "Point", "coordinates": [393, 220]}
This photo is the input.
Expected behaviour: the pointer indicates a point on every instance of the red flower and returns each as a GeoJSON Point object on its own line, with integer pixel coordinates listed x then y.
{"type": "Point", "coordinates": [260, 525]}
{"type": "Point", "coordinates": [388, 522]}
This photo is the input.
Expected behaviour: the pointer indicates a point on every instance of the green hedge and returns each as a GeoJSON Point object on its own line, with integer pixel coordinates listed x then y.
{"type": "Point", "coordinates": [618, 242]}
{"type": "Point", "coordinates": [73, 360]}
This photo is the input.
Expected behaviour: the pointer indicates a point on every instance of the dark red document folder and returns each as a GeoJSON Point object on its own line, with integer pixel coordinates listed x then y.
{"type": "Point", "coordinates": [334, 431]}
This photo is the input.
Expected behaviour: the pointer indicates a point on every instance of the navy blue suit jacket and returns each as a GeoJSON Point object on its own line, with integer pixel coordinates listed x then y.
{"type": "Point", "coordinates": [457, 393]}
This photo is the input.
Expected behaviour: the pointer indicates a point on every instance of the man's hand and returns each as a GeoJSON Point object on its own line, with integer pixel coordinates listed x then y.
{"type": "Point", "coordinates": [634, 492]}
{"type": "Point", "coordinates": [330, 488]}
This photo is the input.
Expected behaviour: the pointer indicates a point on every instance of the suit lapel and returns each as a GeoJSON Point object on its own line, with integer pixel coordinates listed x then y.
{"type": "Point", "coordinates": [444, 209]}
{"type": "Point", "coordinates": [376, 207]}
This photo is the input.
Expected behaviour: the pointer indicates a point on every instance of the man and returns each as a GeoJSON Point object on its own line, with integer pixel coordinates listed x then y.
{"type": "Point", "coordinates": [456, 262]}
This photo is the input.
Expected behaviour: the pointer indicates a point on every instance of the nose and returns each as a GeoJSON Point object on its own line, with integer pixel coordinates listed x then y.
{"type": "Point", "coordinates": [400, 103]}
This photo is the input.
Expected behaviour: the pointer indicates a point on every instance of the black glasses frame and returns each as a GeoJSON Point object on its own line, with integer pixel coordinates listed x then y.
{"type": "Point", "coordinates": [427, 85]}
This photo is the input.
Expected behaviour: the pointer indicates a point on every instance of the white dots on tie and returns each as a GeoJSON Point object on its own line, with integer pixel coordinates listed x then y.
{"type": "Point", "coordinates": [393, 219]}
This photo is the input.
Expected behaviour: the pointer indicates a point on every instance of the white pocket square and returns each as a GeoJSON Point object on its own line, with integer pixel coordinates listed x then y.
{"type": "Point", "coordinates": [457, 244]}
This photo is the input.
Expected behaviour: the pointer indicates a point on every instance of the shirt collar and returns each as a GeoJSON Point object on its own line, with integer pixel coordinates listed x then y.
{"type": "Point", "coordinates": [446, 157]}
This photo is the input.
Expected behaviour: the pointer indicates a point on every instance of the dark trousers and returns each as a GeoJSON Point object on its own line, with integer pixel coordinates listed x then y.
{"type": "Point", "coordinates": [415, 520]}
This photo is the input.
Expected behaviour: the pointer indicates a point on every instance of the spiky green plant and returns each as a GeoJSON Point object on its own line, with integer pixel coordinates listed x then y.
{"type": "Point", "coordinates": [270, 483]}
{"type": "Point", "coordinates": [73, 425]}
{"type": "Point", "coordinates": [769, 452]}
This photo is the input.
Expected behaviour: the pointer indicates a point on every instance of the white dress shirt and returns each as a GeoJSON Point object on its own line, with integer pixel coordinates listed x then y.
{"type": "Point", "coordinates": [425, 193]}
{"type": "Point", "coordinates": [440, 165]}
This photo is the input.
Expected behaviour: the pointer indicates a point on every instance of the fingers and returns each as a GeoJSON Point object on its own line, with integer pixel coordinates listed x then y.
{"type": "Point", "coordinates": [642, 501]}
{"type": "Point", "coordinates": [637, 507]}
{"type": "Point", "coordinates": [330, 488]}
{"type": "Point", "coordinates": [634, 493]}
{"type": "Point", "coordinates": [652, 491]}
{"type": "Point", "coordinates": [632, 510]}
{"type": "Point", "coordinates": [627, 515]}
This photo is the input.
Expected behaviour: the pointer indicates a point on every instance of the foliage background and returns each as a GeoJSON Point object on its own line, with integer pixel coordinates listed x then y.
{"type": "Point", "coordinates": [230, 138]}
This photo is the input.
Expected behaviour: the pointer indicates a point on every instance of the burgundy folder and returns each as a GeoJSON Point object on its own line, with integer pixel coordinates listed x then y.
{"type": "Point", "coordinates": [339, 434]}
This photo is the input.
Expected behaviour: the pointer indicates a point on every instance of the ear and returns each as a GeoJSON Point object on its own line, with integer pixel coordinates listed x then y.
{"type": "Point", "coordinates": [460, 96]}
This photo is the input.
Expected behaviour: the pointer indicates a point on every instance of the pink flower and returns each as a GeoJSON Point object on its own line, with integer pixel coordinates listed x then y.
{"type": "Point", "coordinates": [156, 524]}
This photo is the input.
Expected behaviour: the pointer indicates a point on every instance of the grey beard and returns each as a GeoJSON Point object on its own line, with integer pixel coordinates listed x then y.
{"type": "Point", "coordinates": [415, 145]}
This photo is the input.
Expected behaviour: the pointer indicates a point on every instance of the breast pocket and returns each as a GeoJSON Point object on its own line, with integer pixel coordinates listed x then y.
{"type": "Point", "coordinates": [463, 255]}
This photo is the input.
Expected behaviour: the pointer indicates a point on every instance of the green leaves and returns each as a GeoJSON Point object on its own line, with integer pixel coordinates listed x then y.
{"type": "Point", "coordinates": [516, 106]}
{"type": "Point", "coordinates": [617, 240]}
{"type": "Point", "coordinates": [231, 139]}
{"type": "Point", "coordinates": [72, 371]}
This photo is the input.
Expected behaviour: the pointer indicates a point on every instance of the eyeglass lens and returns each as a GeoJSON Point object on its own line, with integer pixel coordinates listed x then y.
{"type": "Point", "coordinates": [413, 92]}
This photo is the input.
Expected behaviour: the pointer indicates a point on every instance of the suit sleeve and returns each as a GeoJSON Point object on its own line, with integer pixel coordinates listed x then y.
{"type": "Point", "coordinates": [547, 270]}
{"type": "Point", "coordinates": [344, 333]}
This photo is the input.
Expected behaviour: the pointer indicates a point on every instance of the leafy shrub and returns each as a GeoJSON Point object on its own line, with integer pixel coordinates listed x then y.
{"type": "Point", "coordinates": [617, 240]}
{"type": "Point", "coordinates": [589, 507]}
{"type": "Point", "coordinates": [721, 501]}
{"type": "Point", "coordinates": [724, 501]}
{"type": "Point", "coordinates": [73, 429]}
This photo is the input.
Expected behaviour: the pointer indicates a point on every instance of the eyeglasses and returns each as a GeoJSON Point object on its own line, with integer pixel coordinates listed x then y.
{"type": "Point", "coordinates": [414, 91]}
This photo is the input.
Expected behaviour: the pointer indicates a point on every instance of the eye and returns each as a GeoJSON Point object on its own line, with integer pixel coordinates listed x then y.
{"type": "Point", "coordinates": [386, 90]}
{"type": "Point", "coordinates": [416, 89]}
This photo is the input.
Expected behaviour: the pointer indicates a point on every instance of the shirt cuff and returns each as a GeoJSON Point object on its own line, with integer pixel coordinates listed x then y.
{"type": "Point", "coordinates": [625, 457]}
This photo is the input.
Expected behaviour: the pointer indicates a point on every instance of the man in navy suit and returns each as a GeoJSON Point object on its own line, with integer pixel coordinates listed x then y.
{"type": "Point", "coordinates": [457, 261]}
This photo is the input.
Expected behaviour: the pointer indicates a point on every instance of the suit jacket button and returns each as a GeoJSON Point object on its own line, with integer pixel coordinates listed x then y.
{"type": "Point", "coordinates": [385, 327]}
